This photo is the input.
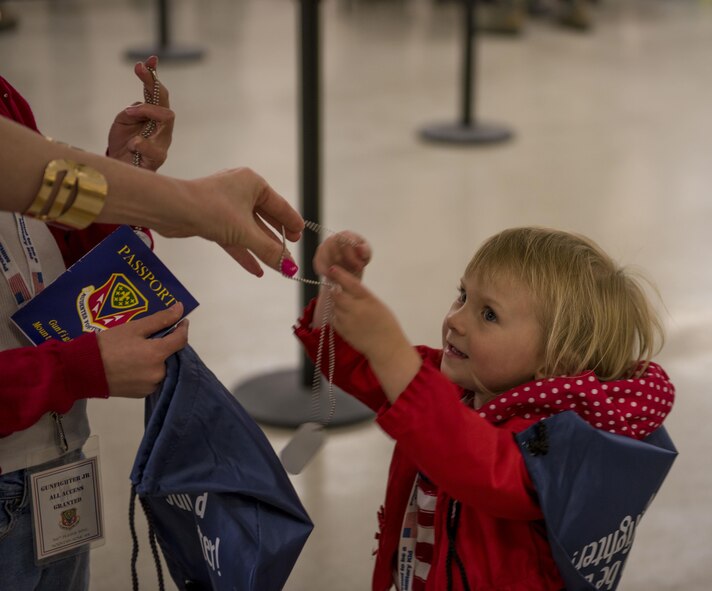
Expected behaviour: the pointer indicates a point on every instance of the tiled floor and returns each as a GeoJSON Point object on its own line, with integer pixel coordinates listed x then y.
{"type": "Point", "coordinates": [613, 139]}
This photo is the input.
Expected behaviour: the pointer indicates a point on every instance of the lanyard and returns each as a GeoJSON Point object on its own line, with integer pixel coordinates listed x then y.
{"type": "Point", "coordinates": [20, 289]}
{"type": "Point", "coordinates": [24, 293]}
{"type": "Point", "coordinates": [406, 549]}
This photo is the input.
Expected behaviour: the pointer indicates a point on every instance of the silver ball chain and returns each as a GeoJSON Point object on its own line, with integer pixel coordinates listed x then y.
{"type": "Point", "coordinates": [326, 329]}
{"type": "Point", "coordinates": [151, 98]}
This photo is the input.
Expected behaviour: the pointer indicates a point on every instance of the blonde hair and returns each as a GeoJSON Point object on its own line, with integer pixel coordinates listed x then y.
{"type": "Point", "coordinates": [594, 314]}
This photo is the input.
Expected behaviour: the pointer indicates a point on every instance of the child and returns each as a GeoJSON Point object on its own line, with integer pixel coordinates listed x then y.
{"type": "Point", "coordinates": [543, 321]}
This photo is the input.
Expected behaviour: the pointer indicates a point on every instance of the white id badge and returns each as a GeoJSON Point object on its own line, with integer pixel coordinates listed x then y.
{"type": "Point", "coordinates": [67, 507]}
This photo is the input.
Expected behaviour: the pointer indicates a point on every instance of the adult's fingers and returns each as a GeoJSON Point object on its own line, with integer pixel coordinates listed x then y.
{"type": "Point", "coordinates": [263, 243]}
{"type": "Point", "coordinates": [273, 207]}
{"type": "Point", "coordinates": [154, 323]}
{"type": "Point", "coordinates": [176, 339]}
{"type": "Point", "coordinates": [244, 259]}
{"type": "Point", "coordinates": [291, 235]}
{"type": "Point", "coordinates": [153, 155]}
{"type": "Point", "coordinates": [147, 78]}
{"type": "Point", "coordinates": [284, 253]}
{"type": "Point", "coordinates": [140, 112]}
{"type": "Point", "coordinates": [267, 231]}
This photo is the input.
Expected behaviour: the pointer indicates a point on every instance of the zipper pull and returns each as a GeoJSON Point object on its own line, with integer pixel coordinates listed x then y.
{"type": "Point", "coordinates": [61, 436]}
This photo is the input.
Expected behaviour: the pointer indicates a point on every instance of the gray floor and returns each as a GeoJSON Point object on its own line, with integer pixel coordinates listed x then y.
{"type": "Point", "coordinates": [613, 139]}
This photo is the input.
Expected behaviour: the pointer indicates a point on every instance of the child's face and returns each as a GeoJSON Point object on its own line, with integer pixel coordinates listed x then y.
{"type": "Point", "coordinates": [492, 332]}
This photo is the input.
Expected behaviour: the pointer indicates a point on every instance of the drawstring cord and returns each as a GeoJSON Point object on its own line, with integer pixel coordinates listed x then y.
{"type": "Point", "coordinates": [453, 521]}
{"type": "Point", "coordinates": [151, 540]}
{"type": "Point", "coordinates": [134, 539]}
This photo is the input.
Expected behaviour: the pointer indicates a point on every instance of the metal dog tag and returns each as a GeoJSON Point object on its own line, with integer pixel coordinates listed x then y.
{"type": "Point", "coordinates": [302, 447]}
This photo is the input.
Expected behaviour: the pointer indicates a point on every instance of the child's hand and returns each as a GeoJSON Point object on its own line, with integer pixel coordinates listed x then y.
{"type": "Point", "coordinates": [346, 249]}
{"type": "Point", "coordinates": [359, 316]}
{"type": "Point", "coordinates": [371, 328]}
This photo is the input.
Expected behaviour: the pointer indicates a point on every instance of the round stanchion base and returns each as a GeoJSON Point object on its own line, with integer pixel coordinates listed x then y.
{"type": "Point", "coordinates": [166, 54]}
{"type": "Point", "coordinates": [279, 399]}
{"type": "Point", "coordinates": [462, 134]}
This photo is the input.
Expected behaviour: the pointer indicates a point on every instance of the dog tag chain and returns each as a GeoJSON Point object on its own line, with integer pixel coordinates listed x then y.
{"type": "Point", "coordinates": [151, 98]}
{"type": "Point", "coordinates": [310, 436]}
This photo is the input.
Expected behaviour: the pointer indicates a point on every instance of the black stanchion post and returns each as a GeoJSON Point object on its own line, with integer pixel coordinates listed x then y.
{"type": "Point", "coordinates": [164, 49]}
{"type": "Point", "coordinates": [468, 130]}
{"type": "Point", "coordinates": [310, 150]}
{"type": "Point", "coordinates": [469, 62]}
{"type": "Point", "coordinates": [163, 28]}
{"type": "Point", "coordinates": [284, 398]}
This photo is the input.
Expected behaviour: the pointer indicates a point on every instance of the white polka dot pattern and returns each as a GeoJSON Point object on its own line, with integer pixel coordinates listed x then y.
{"type": "Point", "coordinates": [637, 407]}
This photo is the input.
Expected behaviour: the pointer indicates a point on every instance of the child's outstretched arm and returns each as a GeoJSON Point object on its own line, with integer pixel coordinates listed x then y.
{"type": "Point", "coordinates": [372, 329]}
{"type": "Point", "coordinates": [346, 249]}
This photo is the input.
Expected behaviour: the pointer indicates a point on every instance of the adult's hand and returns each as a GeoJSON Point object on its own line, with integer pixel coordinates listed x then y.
{"type": "Point", "coordinates": [135, 364]}
{"type": "Point", "coordinates": [239, 209]}
{"type": "Point", "coordinates": [125, 134]}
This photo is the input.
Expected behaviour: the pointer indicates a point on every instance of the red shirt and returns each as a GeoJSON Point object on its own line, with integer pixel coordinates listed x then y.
{"type": "Point", "coordinates": [54, 375]}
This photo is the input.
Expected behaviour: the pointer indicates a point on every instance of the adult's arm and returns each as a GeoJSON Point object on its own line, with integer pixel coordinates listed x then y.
{"type": "Point", "coordinates": [123, 361]}
{"type": "Point", "coordinates": [48, 378]}
{"type": "Point", "coordinates": [233, 208]}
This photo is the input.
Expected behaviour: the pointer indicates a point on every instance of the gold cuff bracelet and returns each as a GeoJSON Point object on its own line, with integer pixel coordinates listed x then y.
{"type": "Point", "coordinates": [71, 196]}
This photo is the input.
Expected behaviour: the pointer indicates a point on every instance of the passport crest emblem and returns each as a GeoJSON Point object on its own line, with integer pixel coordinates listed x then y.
{"type": "Point", "coordinates": [116, 302]}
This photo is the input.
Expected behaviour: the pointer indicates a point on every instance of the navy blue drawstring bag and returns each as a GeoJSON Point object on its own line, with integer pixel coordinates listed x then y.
{"type": "Point", "coordinates": [222, 507]}
{"type": "Point", "coordinates": [593, 488]}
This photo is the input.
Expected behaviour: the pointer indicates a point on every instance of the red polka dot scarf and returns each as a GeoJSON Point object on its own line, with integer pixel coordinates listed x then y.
{"type": "Point", "coordinates": [632, 407]}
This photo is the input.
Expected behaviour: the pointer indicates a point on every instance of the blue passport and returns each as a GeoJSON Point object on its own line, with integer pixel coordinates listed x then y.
{"type": "Point", "coordinates": [118, 281]}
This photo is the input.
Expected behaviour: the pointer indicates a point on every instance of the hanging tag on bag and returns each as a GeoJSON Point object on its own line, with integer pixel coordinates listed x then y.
{"type": "Point", "coordinates": [302, 447]}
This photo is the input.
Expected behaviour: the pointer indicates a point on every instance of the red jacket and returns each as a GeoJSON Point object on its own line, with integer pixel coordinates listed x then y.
{"type": "Point", "coordinates": [54, 375]}
{"type": "Point", "coordinates": [501, 538]}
